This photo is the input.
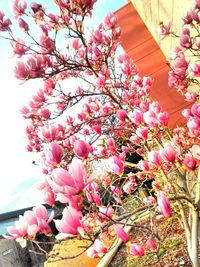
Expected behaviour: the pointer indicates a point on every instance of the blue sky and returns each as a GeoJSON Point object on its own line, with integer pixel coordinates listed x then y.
{"type": "Point", "coordinates": [17, 173]}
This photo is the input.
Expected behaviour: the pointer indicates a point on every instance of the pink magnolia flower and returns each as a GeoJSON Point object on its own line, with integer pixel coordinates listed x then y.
{"type": "Point", "coordinates": [143, 165]}
{"type": "Point", "coordinates": [190, 96]}
{"type": "Point", "coordinates": [190, 16]}
{"type": "Point", "coordinates": [193, 125]}
{"type": "Point", "coordinates": [70, 224]}
{"type": "Point", "coordinates": [197, 4]}
{"type": "Point", "coordinates": [19, 230]}
{"type": "Point", "coordinates": [35, 7]}
{"type": "Point", "coordinates": [150, 118]}
{"type": "Point", "coordinates": [121, 115]}
{"type": "Point", "coordinates": [151, 244]}
{"type": "Point", "coordinates": [116, 165]}
{"type": "Point", "coordinates": [117, 193]}
{"type": "Point", "coordinates": [37, 65]}
{"type": "Point", "coordinates": [42, 219]}
{"type": "Point", "coordinates": [69, 182]}
{"type": "Point", "coordinates": [128, 186]}
{"type": "Point", "coordinates": [96, 54]}
{"type": "Point", "coordinates": [94, 197]}
{"type": "Point", "coordinates": [43, 223]}
{"type": "Point", "coordinates": [163, 118]}
{"type": "Point", "coordinates": [197, 44]}
{"type": "Point", "coordinates": [53, 153]}
{"type": "Point", "coordinates": [111, 142]}
{"type": "Point", "coordinates": [45, 113]}
{"type": "Point", "coordinates": [19, 48]}
{"type": "Point", "coordinates": [4, 23]}
{"type": "Point", "coordinates": [195, 150]}
{"type": "Point", "coordinates": [154, 158]}
{"type": "Point", "coordinates": [32, 222]}
{"type": "Point", "coordinates": [105, 179]}
{"type": "Point", "coordinates": [149, 200]}
{"type": "Point", "coordinates": [97, 129]}
{"type": "Point", "coordinates": [135, 139]}
{"type": "Point", "coordinates": [155, 107]}
{"type": "Point", "coordinates": [21, 71]}
{"type": "Point", "coordinates": [46, 43]}
{"type": "Point", "coordinates": [195, 110]}
{"type": "Point", "coordinates": [82, 149]}
{"type": "Point", "coordinates": [164, 30]}
{"type": "Point", "coordinates": [194, 69]}
{"type": "Point", "coordinates": [142, 132]}
{"type": "Point", "coordinates": [106, 212]}
{"type": "Point", "coordinates": [76, 44]}
{"type": "Point", "coordinates": [147, 81]}
{"type": "Point", "coordinates": [121, 233]}
{"type": "Point", "coordinates": [49, 85]}
{"type": "Point", "coordinates": [190, 162]}
{"type": "Point", "coordinates": [155, 185]}
{"type": "Point", "coordinates": [126, 65]}
{"type": "Point", "coordinates": [179, 60]}
{"type": "Point", "coordinates": [164, 205]}
{"type": "Point", "coordinates": [168, 153]}
{"type": "Point", "coordinates": [51, 133]}
{"type": "Point", "coordinates": [137, 117]}
{"type": "Point", "coordinates": [23, 25]}
{"type": "Point", "coordinates": [98, 249]}
{"type": "Point", "coordinates": [110, 21]}
{"type": "Point", "coordinates": [26, 112]}
{"type": "Point", "coordinates": [49, 197]}
{"type": "Point", "coordinates": [19, 7]}
{"type": "Point", "coordinates": [100, 82]}
{"type": "Point", "coordinates": [173, 80]}
{"type": "Point", "coordinates": [137, 249]}
{"type": "Point", "coordinates": [39, 99]}
{"type": "Point", "coordinates": [185, 39]}
{"type": "Point", "coordinates": [187, 113]}
{"type": "Point", "coordinates": [97, 37]}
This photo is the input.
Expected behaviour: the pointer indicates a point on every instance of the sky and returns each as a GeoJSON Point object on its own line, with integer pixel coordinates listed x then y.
{"type": "Point", "coordinates": [18, 176]}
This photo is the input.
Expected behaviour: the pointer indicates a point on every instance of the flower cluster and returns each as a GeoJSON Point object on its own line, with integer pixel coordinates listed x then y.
{"type": "Point", "coordinates": [184, 58]}
{"type": "Point", "coordinates": [102, 139]}
{"type": "Point", "coordinates": [33, 222]}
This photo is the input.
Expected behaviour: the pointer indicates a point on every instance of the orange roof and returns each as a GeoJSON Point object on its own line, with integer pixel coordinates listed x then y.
{"type": "Point", "coordinates": [138, 42]}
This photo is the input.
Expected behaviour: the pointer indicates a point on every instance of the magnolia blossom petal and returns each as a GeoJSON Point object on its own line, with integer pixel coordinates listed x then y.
{"type": "Point", "coordinates": [78, 172]}
{"type": "Point", "coordinates": [164, 205]}
{"type": "Point", "coordinates": [121, 233]}
{"type": "Point", "coordinates": [137, 249]}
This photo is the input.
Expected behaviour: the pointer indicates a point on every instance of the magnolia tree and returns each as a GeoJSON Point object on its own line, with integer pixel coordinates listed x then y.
{"type": "Point", "coordinates": [99, 134]}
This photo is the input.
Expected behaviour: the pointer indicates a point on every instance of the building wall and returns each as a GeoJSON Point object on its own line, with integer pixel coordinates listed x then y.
{"type": "Point", "coordinates": [139, 43]}
{"type": "Point", "coordinates": [153, 12]}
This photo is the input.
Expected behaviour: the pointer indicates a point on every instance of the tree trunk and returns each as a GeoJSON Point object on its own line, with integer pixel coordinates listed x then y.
{"type": "Point", "coordinates": [196, 225]}
{"type": "Point", "coordinates": [194, 255]}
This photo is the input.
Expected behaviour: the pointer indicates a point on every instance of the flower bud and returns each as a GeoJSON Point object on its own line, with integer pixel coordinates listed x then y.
{"type": "Point", "coordinates": [121, 115]}
{"type": "Point", "coordinates": [189, 162]}
{"type": "Point", "coordinates": [82, 149]}
{"type": "Point", "coordinates": [23, 25]}
{"type": "Point", "coordinates": [121, 233]}
{"type": "Point", "coordinates": [151, 244]}
{"type": "Point", "coordinates": [137, 249]}
{"type": "Point", "coordinates": [164, 205]}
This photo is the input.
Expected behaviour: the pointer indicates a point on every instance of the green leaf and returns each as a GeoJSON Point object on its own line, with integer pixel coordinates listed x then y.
{"type": "Point", "coordinates": [173, 244]}
{"type": "Point", "coordinates": [161, 251]}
